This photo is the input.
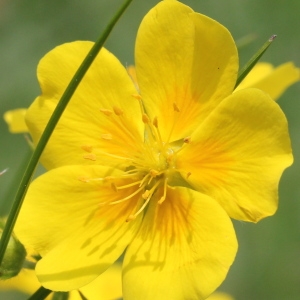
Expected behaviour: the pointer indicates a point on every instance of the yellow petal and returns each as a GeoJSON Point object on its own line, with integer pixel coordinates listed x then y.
{"type": "Point", "coordinates": [273, 81]}
{"type": "Point", "coordinates": [186, 63]}
{"type": "Point", "coordinates": [15, 120]}
{"type": "Point", "coordinates": [107, 286]}
{"type": "Point", "coordinates": [102, 114]}
{"type": "Point", "coordinates": [183, 249]}
{"type": "Point", "coordinates": [238, 155]}
{"type": "Point", "coordinates": [66, 220]}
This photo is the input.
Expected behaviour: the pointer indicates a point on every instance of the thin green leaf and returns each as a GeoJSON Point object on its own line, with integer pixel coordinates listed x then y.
{"type": "Point", "coordinates": [252, 62]}
{"type": "Point", "coordinates": [13, 215]}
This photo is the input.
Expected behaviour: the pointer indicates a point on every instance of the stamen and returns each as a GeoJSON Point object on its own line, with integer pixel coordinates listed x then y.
{"type": "Point", "coordinates": [170, 158]}
{"type": "Point", "coordinates": [188, 175]}
{"type": "Point", "coordinates": [146, 194]}
{"type": "Point", "coordinates": [152, 190]}
{"type": "Point", "coordinates": [85, 179]}
{"type": "Point", "coordinates": [163, 198]}
{"type": "Point", "coordinates": [176, 108]}
{"type": "Point", "coordinates": [106, 136]}
{"type": "Point", "coordinates": [115, 156]}
{"type": "Point", "coordinates": [154, 173]}
{"type": "Point", "coordinates": [120, 124]}
{"type": "Point", "coordinates": [118, 111]}
{"type": "Point", "coordinates": [130, 172]}
{"type": "Point", "coordinates": [155, 122]}
{"type": "Point", "coordinates": [87, 148]}
{"type": "Point", "coordinates": [128, 185]}
{"type": "Point", "coordinates": [132, 217]}
{"type": "Point", "coordinates": [107, 112]}
{"type": "Point", "coordinates": [136, 96]}
{"type": "Point", "coordinates": [145, 119]}
{"type": "Point", "coordinates": [144, 179]}
{"type": "Point", "coordinates": [125, 198]}
{"type": "Point", "coordinates": [187, 140]}
{"type": "Point", "coordinates": [90, 156]}
{"type": "Point", "coordinates": [114, 187]}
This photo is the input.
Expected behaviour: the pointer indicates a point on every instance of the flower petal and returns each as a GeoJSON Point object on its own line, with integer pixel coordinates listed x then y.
{"type": "Point", "coordinates": [186, 63]}
{"type": "Point", "coordinates": [107, 286]}
{"type": "Point", "coordinates": [270, 80]}
{"type": "Point", "coordinates": [15, 120]}
{"type": "Point", "coordinates": [238, 155]}
{"type": "Point", "coordinates": [183, 249]}
{"type": "Point", "coordinates": [102, 113]}
{"type": "Point", "coordinates": [67, 222]}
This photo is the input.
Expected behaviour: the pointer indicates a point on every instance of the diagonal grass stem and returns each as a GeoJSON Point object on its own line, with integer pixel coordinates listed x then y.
{"type": "Point", "coordinates": [254, 59]}
{"type": "Point", "coordinates": [14, 212]}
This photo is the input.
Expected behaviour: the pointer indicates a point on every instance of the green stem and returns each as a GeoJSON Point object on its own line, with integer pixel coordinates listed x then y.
{"type": "Point", "coordinates": [254, 59]}
{"type": "Point", "coordinates": [40, 294]}
{"type": "Point", "coordinates": [14, 212]}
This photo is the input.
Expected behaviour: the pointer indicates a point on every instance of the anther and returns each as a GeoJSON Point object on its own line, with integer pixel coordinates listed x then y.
{"type": "Point", "coordinates": [187, 140]}
{"type": "Point", "coordinates": [146, 194]}
{"type": "Point", "coordinates": [188, 175]}
{"type": "Point", "coordinates": [145, 119]}
{"type": "Point", "coordinates": [107, 178]}
{"type": "Point", "coordinates": [175, 107]}
{"type": "Point", "coordinates": [136, 96]}
{"type": "Point", "coordinates": [107, 112]}
{"type": "Point", "coordinates": [155, 122]}
{"type": "Point", "coordinates": [90, 156]}
{"type": "Point", "coordinates": [106, 136]}
{"type": "Point", "coordinates": [130, 218]}
{"type": "Point", "coordinates": [118, 111]}
{"type": "Point", "coordinates": [163, 198]}
{"type": "Point", "coordinates": [170, 158]}
{"type": "Point", "coordinates": [83, 179]}
{"type": "Point", "coordinates": [154, 173]}
{"type": "Point", "coordinates": [87, 148]}
{"type": "Point", "coordinates": [114, 187]}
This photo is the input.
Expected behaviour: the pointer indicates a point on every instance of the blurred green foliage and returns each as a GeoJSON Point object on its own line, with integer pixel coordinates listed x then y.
{"type": "Point", "coordinates": [268, 262]}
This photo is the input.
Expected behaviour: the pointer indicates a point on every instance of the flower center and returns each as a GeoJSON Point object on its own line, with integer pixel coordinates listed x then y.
{"type": "Point", "coordinates": [148, 170]}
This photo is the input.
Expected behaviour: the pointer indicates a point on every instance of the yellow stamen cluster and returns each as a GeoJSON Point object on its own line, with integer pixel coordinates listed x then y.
{"type": "Point", "coordinates": [150, 169]}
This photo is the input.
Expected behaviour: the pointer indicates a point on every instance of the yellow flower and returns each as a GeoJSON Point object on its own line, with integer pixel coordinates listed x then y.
{"type": "Point", "coordinates": [264, 76]}
{"type": "Point", "coordinates": [273, 81]}
{"type": "Point", "coordinates": [105, 287]}
{"type": "Point", "coordinates": [156, 173]}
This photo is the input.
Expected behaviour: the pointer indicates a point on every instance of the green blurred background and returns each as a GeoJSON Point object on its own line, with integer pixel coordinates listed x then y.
{"type": "Point", "coordinates": [268, 262]}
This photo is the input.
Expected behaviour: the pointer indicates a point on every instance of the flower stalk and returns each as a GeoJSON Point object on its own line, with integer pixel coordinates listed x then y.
{"type": "Point", "coordinates": [40, 294]}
